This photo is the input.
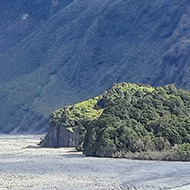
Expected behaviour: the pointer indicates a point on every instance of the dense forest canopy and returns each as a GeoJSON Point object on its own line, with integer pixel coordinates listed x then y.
{"type": "Point", "coordinates": [129, 118]}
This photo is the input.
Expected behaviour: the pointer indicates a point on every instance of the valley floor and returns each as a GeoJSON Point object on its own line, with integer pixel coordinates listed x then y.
{"type": "Point", "coordinates": [25, 166]}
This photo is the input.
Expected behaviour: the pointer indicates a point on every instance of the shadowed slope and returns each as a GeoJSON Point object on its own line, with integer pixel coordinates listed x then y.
{"type": "Point", "coordinates": [89, 45]}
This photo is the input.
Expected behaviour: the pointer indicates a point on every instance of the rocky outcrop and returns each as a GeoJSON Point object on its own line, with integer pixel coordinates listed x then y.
{"type": "Point", "coordinates": [67, 124]}
{"type": "Point", "coordinates": [126, 119]}
{"type": "Point", "coordinates": [60, 137]}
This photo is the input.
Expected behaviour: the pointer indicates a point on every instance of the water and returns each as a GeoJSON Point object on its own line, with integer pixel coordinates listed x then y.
{"type": "Point", "coordinates": [26, 166]}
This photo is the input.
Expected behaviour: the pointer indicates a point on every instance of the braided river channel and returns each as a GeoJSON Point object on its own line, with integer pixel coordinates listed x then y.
{"type": "Point", "coordinates": [26, 166]}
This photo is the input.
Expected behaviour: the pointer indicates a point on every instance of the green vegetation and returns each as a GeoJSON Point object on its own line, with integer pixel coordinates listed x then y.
{"type": "Point", "coordinates": [131, 120]}
{"type": "Point", "coordinates": [67, 51]}
{"type": "Point", "coordinates": [142, 119]}
{"type": "Point", "coordinates": [70, 115]}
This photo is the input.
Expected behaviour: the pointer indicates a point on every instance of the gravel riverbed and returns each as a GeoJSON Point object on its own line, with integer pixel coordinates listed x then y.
{"type": "Point", "coordinates": [25, 166]}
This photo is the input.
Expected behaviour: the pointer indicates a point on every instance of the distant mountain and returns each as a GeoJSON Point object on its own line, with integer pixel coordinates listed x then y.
{"type": "Point", "coordinates": [19, 18]}
{"type": "Point", "coordinates": [128, 120]}
{"type": "Point", "coordinates": [82, 47]}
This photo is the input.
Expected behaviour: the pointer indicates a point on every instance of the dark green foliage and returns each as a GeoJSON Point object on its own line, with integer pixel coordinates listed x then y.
{"type": "Point", "coordinates": [130, 120]}
{"type": "Point", "coordinates": [184, 149]}
{"type": "Point", "coordinates": [139, 120]}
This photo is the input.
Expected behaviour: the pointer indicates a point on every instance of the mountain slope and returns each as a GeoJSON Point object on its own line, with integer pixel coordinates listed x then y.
{"type": "Point", "coordinates": [19, 18]}
{"type": "Point", "coordinates": [86, 47]}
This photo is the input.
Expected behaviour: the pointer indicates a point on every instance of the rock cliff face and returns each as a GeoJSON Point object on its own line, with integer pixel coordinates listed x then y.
{"type": "Point", "coordinates": [67, 124]}
{"type": "Point", "coordinates": [60, 137]}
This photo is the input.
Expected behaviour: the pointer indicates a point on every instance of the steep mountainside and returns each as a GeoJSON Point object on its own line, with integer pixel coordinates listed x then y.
{"type": "Point", "coordinates": [19, 18]}
{"type": "Point", "coordinates": [84, 48]}
{"type": "Point", "coordinates": [126, 118]}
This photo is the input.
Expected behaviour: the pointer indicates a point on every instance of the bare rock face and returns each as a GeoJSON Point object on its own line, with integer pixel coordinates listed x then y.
{"type": "Point", "coordinates": [60, 137]}
{"type": "Point", "coordinates": [67, 124]}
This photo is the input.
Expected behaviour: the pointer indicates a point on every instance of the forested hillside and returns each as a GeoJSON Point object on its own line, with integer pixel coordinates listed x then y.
{"type": "Point", "coordinates": [128, 118]}
{"type": "Point", "coordinates": [19, 18]}
{"type": "Point", "coordinates": [55, 53]}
